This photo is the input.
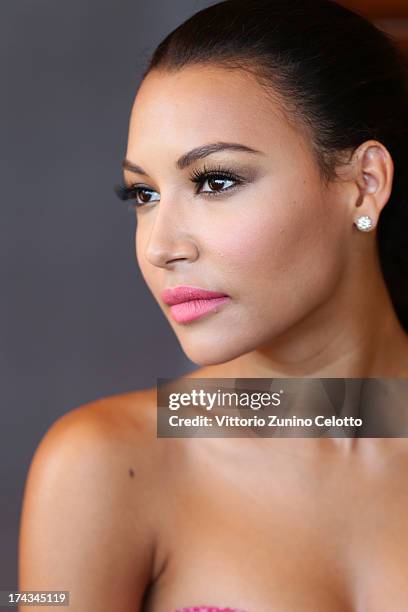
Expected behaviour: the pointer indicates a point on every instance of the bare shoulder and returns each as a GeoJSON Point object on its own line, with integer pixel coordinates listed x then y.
{"type": "Point", "coordinates": [109, 430]}
{"type": "Point", "coordinates": [88, 507]}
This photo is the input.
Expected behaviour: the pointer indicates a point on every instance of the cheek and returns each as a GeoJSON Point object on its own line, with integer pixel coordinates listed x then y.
{"type": "Point", "coordinates": [146, 269]}
{"type": "Point", "coordinates": [286, 249]}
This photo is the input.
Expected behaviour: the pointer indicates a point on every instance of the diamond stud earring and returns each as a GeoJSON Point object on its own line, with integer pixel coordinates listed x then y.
{"type": "Point", "coordinates": [364, 223]}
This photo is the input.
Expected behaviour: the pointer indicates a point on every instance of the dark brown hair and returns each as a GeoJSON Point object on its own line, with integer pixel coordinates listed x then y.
{"type": "Point", "coordinates": [339, 75]}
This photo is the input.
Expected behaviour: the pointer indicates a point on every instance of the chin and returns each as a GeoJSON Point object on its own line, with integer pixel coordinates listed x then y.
{"type": "Point", "coordinates": [212, 351]}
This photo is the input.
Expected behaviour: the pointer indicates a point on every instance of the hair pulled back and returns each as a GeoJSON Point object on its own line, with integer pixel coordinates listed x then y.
{"type": "Point", "coordinates": [342, 77]}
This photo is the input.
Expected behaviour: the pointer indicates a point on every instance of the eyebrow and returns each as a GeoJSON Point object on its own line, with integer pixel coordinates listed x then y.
{"type": "Point", "coordinates": [198, 153]}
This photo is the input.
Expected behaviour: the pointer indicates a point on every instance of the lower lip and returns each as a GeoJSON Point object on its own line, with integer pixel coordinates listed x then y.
{"type": "Point", "coordinates": [194, 309]}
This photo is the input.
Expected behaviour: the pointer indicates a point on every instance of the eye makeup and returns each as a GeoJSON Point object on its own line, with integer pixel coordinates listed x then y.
{"type": "Point", "coordinates": [213, 174]}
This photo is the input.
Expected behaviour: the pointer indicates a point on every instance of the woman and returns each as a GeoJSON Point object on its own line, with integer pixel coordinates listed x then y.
{"type": "Point", "coordinates": [265, 161]}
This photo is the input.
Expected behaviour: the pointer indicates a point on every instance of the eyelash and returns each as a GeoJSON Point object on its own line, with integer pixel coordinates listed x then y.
{"type": "Point", "coordinates": [199, 177]}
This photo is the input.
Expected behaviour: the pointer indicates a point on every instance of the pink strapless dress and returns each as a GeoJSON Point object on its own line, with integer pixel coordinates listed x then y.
{"type": "Point", "coordinates": [207, 609]}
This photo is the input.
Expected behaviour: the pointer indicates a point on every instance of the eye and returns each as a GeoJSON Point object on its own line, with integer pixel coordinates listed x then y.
{"type": "Point", "coordinates": [219, 180]}
{"type": "Point", "coordinates": [143, 195]}
{"type": "Point", "coordinates": [139, 193]}
{"type": "Point", "coordinates": [215, 183]}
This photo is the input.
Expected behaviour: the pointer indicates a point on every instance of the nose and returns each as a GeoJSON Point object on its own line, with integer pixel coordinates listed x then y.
{"type": "Point", "coordinates": [169, 240]}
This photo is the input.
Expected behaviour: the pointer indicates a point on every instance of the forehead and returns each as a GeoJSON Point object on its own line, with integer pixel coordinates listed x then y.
{"type": "Point", "coordinates": [197, 104]}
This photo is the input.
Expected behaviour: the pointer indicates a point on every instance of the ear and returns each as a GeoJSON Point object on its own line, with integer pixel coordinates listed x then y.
{"type": "Point", "coordinates": [373, 173]}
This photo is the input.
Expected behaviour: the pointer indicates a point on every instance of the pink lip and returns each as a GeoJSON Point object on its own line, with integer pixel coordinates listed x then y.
{"type": "Point", "coordinates": [188, 303]}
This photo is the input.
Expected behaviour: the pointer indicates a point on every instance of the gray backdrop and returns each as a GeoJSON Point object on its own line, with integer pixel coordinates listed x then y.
{"type": "Point", "coordinates": [77, 321]}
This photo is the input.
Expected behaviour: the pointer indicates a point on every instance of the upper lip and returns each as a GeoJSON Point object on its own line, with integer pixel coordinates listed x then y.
{"type": "Point", "coordinates": [186, 293]}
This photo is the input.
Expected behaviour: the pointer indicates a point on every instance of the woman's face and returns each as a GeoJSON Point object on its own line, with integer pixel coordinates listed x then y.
{"type": "Point", "coordinates": [274, 238]}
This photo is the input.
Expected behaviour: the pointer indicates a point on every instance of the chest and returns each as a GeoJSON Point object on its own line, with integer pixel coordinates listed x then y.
{"type": "Point", "coordinates": [334, 539]}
